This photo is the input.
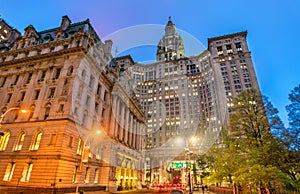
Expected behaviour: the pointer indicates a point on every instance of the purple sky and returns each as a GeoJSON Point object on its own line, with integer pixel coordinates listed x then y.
{"type": "Point", "coordinates": [273, 28]}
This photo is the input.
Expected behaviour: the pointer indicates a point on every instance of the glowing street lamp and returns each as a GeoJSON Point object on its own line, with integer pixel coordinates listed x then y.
{"type": "Point", "coordinates": [7, 111]}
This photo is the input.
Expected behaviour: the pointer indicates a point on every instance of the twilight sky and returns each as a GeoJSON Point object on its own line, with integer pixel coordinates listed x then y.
{"type": "Point", "coordinates": [273, 29]}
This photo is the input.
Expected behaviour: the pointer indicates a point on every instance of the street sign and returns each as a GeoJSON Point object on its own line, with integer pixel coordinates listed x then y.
{"type": "Point", "coordinates": [178, 164]}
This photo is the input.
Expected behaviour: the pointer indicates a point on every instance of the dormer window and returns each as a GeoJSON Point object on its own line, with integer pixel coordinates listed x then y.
{"type": "Point", "coordinates": [48, 38]}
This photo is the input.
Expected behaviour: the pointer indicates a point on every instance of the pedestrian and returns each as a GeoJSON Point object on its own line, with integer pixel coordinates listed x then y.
{"type": "Point", "coordinates": [203, 188]}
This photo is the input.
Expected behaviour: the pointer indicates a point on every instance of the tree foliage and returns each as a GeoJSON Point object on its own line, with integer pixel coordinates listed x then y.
{"type": "Point", "coordinates": [293, 110]}
{"type": "Point", "coordinates": [254, 149]}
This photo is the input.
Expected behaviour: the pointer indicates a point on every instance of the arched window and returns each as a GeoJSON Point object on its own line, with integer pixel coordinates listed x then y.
{"type": "Point", "coordinates": [4, 141]}
{"type": "Point", "coordinates": [20, 141]}
{"type": "Point", "coordinates": [36, 141]}
{"type": "Point", "coordinates": [70, 71]}
{"type": "Point", "coordinates": [9, 171]}
{"type": "Point", "coordinates": [47, 110]}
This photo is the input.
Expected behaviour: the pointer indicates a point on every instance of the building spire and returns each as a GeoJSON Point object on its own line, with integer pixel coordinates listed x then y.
{"type": "Point", "coordinates": [170, 47]}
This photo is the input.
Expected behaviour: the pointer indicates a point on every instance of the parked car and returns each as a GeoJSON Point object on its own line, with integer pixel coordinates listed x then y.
{"type": "Point", "coordinates": [176, 191]}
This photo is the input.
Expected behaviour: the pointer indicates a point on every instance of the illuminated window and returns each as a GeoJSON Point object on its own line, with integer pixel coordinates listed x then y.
{"type": "Point", "coordinates": [98, 152]}
{"type": "Point", "coordinates": [26, 172]}
{"type": "Point", "coordinates": [19, 144]}
{"type": "Point", "coordinates": [80, 146]}
{"type": "Point", "coordinates": [74, 180]}
{"type": "Point", "coordinates": [36, 142]}
{"type": "Point", "coordinates": [96, 176]}
{"type": "Point", "coordinates": [4, 141]}
{"type": "Point", "coordinates": [87, 175]}
{"type": "Point", "coordinates": [9, 171]}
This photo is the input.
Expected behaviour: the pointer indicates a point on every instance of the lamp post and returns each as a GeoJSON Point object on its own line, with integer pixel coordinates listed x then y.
{"type": "Point", "coordinates": [7, 111]}
{"type": "Point", "coordinates": [85, 155]}
{"type": "Point", "coordinates": [188, 167]}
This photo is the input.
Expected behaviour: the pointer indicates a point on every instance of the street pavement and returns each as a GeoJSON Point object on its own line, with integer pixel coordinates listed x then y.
{"type": "Point", "coordinates": [143, 191]}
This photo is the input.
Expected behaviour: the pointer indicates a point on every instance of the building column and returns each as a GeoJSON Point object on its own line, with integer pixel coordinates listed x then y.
{"type": "Point", "coordinates": [131, 130]}
{"type": "Point", "coordinates": [112, 117]}
{"type": "Point", "coordinates": [121, 121]}
{"type": "Point", "coordinates": [126, 126]}
{"type": "Point", "coordinates": [116, 115]}
{"type": "Point", "coordinates": [138, 135]}
{"type": "Point", "coordinates": [134, 133]}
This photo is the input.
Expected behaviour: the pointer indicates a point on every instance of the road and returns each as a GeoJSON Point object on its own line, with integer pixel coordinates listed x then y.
{"type": "Point", "coordinates": [144, 191]}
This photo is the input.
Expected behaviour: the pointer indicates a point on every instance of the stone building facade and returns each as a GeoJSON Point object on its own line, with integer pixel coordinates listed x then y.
{"type": "Point", "coordinates": [187, 99]}
{"type": "Point", "coordinates": [100, 123]}
{"type": "Point", "coordinates": [69, 137]}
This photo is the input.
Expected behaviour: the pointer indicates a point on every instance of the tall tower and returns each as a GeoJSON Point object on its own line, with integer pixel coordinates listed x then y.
{"type": "Point", "coordinates": [170, 47]}
{"type": "Point", "coordinates": [230, 54]}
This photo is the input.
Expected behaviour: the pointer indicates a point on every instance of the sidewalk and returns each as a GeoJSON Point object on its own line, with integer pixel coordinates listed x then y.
{"type": "Point", "coordinates": [142, 190]}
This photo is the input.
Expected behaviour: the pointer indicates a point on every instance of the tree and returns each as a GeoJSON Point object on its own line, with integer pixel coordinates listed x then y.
{"type": "Point", "coordinates": [293, 110]}
{"type": "Point", "coordinates": [276, 125]}
{"type": "Point", "coordinates": [250, 153]}
{"type": "Point", "coordinates": [249, 118]}
{"type": "Point", "coordinates": [293, 136]}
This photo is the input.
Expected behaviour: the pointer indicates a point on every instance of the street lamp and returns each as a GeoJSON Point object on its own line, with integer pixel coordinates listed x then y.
{"type": "Point", "coordinates": [85, 154]}
{"type": "Point", "coordinates": [188, 167]}
{"type": "Point", "coordinates": [7, 111]}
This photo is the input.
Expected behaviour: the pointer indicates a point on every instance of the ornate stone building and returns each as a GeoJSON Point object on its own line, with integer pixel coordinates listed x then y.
{"type": "Point", "coordinates": [186, 99]}
{"type": "Point", "coordinates": [82, 129]}
{"type": "Point", "coordinates": [98, 123]}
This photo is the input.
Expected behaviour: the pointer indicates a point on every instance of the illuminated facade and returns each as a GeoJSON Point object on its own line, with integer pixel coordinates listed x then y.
{"type": "Point", "coordinates": [72, 136]}
{"type": "Point", "coordinates": [186, 99]}
{"type": "Point", "coordinates": [98, 123]}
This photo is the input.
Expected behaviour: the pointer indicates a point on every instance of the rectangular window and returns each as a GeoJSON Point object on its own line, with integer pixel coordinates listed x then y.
{"type": "Point", "coordinates": [51, 92]}
{"type": "Point", "coordinates": [238, 47]}
{"type": "Point", "coordinates": [26, 172]}
{"type": "Point", "coordinates": [88, 99]}
{"type": "Point", "coordinates": [22, 96]}
{"type": "Point", "coordinates": [74, 180]}
{"type": "Point", "coordinates": [57, 73]}
{"type": "Point", "coordinates": [228, 46]}
{"type": "Point", "coordinates": [52, 139]}
{"type": "Point", "coordinates": [61, 108]}
{"type": "Point", "coordinates": [103, 113]}
{"type": "Point", "coordinates": [3, 81]}
{"type": "Point", "coordinates": [105, 95]}
{"type": "Point", "coordinates": [36, 95]}
{"type": "Point", "coordinates": [43, 75]}
{"type": "Point", "coordinates": [71, 141]}
{"type": "Point", "coordinates": [80, 146]}
{"type": "Point", "coordinates": [8, 98]}
{"type": "Point", "coordinates": [99, 90]}
{"type": "Point", "coordinates": [91, 83]}
{"type": "Point", "coordinates": [9, 171]}
{"type": "Point", "coordinates": [87, 175]}
{"type": "Point", "coordinates": [96, 175]}
{"type": "Point", "coordinates": [29, 78]}
{"type": "Point", "coordinates": [16, 80]}
{"type": "Point", "coordinates": [96, 107]}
